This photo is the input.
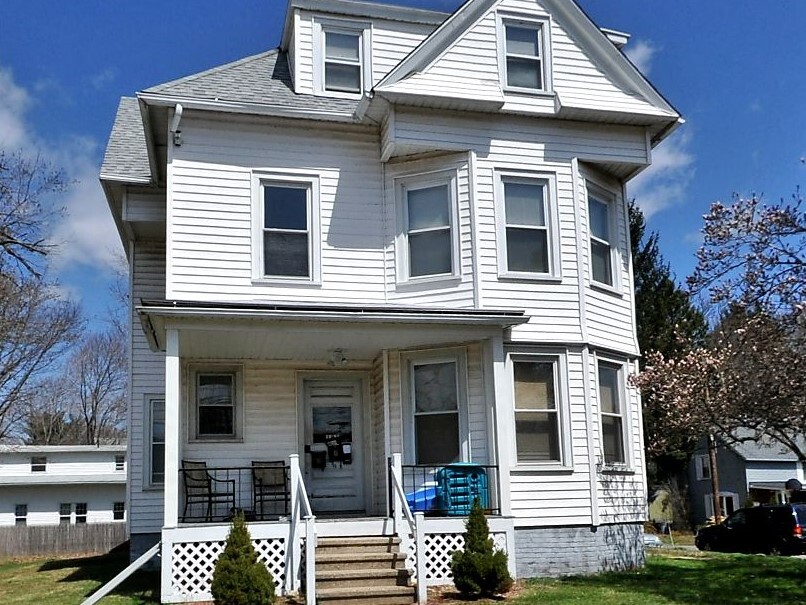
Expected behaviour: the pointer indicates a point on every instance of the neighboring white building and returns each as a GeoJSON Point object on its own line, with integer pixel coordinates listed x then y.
{"type": "Point", "coordinates": [402, 235]}
{"type": "Point", "coordinates": [62, 484]}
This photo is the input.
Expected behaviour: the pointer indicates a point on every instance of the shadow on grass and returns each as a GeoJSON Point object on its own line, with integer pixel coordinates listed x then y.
{"type": "Point", "coordinates": [99, 569]}
{"type": "Point", "coordinates": [722, 579]}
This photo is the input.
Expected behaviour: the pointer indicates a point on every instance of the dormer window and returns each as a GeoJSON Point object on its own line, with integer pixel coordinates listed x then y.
{"type": "Point", "coordinates": [343, 61]}
{"type": "Point", "coordinates": [525, 63]}
{"type": "Point", "coordinates": [342, 57]}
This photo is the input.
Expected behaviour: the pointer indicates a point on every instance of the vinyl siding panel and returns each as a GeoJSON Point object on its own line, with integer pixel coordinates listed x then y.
{"type": "Point", "coordinates": [43, 502]}
{"type": "Point", "coordinates": [211, 211]}
{"type": "Point", "coordinates": [147, 380]}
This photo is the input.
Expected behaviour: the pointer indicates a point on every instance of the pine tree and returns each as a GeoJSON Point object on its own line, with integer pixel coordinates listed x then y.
{"type": "Point", "coordinates": [239, 578]}
{"type": "Point", "coordinates": [480, 570]}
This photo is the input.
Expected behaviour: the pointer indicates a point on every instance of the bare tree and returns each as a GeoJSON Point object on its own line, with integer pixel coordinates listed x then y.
{"type": "Point", "coordinates": [48, 419]}
{"type": "Point", "coordinates": [97, 372]}
{"type": "Point", "coordinates": [36, 328]}
{"type": "Point", "coordinates": [26, 213]}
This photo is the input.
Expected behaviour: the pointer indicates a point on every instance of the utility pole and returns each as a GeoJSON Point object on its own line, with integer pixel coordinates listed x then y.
{"type": "Point", "coordinates": [714, 477]}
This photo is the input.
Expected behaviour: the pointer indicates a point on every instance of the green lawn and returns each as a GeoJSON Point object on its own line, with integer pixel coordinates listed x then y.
{"type": "Point", "coordinates": [684, 578]}
{"type": "Point", "coordinates": [70, 581]}
{"type": "Point", "coordinates": [670, 578]}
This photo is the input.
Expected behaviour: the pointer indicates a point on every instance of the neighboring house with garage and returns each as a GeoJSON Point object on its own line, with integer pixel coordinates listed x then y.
{"type": "Point", "coordinates": [750, 472]}
{"type": "Point", "coordinates": [378, 272]}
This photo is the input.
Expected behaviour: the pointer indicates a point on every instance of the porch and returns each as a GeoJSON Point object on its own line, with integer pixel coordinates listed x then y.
{"type": "Point", "coordinates": [189, 551]}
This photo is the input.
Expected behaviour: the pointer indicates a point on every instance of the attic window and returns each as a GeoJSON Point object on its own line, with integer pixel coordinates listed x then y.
{"type": "Point", "coordinates": [524, 55]}
{"type": "Point", "coordinates": [342, 61]}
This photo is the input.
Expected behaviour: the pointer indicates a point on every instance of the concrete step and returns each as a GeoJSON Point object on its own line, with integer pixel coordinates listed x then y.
{"type": "Point", "coordinates": [371, 560]}
{"type": "Point", "coordinates": [358, 544]}
{"type": "Point", "coordinates": [380, 595]}
{"type": "Point", "coordinates": [366, 578]}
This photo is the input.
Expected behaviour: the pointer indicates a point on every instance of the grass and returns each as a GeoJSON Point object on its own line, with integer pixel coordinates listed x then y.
{"type": "Point", "coordinates": [676, 577]}
{"type": "Point", "coordinates": [70, 581]}
{"type": "Point", "coordinates": [681, 578]}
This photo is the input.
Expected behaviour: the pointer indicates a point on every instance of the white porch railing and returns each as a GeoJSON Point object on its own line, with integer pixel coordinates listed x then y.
{"type": "Point", "coordinates": [301, 509]}
{"type": "Point", "coordinates": [416, 526]}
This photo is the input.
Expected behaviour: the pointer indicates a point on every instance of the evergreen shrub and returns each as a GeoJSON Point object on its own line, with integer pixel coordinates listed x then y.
{"type": "Point", "coordinates": [239, 578]}
{"type": "Point", "coordinates": [480, 570]}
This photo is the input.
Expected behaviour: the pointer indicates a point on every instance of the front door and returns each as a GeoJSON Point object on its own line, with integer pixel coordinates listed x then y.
{"type": "Point", "coordinates": [334, 472]}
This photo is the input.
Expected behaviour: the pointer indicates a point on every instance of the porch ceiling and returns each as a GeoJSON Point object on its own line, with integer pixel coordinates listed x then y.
{"type": "Point", "coordinates": [312, 333]}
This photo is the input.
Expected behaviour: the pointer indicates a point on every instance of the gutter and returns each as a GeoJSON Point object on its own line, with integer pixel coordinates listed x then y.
{"type": "Point", "coordinates": [158, 100]}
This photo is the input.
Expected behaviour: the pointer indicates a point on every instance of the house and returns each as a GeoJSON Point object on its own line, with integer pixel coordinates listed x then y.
{"type": "Point", "coordinates": [750, 472]}
{"type": "Point", "coordinates": [54, 498]}
{"type": "Point", "coordinates": [388, 264]}
{"type": "Point", "coordinates": [62, 484]}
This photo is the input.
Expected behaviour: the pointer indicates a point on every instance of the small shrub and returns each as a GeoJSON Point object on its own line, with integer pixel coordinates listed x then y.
{"type": "Point", "coordinates": [239, 578]}
{"type": "Point", "coordinates": [479, 570]}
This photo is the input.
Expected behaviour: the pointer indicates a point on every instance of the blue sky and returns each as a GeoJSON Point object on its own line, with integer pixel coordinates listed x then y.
{"type": "Point", "coordinates": [735, 69]}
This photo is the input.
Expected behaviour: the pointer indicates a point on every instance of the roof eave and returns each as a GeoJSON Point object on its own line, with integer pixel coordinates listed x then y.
{"type": "Point", "coordinates": [160, 100]}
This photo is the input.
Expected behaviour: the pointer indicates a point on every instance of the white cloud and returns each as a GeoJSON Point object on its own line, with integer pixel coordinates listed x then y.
{"type": "Point", "coordinates": [665, 182]}
{"type": "Point", "coordinates": [103, 77]}
{"type": "Point", "coordinates": [641, 54]}
{"type": "Point", "coordinates": [85, 235]}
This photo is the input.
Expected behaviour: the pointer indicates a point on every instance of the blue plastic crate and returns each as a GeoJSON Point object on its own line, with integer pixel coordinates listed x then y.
{"type": "Point", "coordinates": [423, 499]}
{"type": "Point", "coordinates": [459, 485]}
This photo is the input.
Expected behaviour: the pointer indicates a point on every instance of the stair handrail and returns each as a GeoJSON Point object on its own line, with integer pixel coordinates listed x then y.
{"type": "Point", "coordinates": [416, 522]}
{"type": "Point", "coordinates": [301, 509]}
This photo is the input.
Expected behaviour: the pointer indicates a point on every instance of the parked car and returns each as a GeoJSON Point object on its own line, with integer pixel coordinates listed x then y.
{"type": "Point", "coordinates": [772, 529]}
{"type": "Point", "coordinates": [652, 541]}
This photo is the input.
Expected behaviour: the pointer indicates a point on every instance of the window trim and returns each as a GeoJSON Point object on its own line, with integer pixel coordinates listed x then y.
{"type": "Point", "coordinates": [294, 178]}
{"type": "Point", "coordinates": [552, 227]}
{"type": "Point", "coordinates": [148, 477]}
{"type": "Point", "coordinates": [81, 518]}
{"type": "Point", "coordinates": [119, 511]}
{"type": "Point", "coordinates": [424, 180]}
{"type": "Point", "coordinates": [65, 518]}
{"type": "Point", "coordinates": [408, 361]}
{"type": "Point", "coordinates": [559, 357]}
{"type": "Point", "coordinates": [193, 372]}
{"type": "Point", "coordinates": [21, 519]}
{"type": "Point", "coordinates": [610, 199]}
{"type": "Point", "coordinates": [701, 463]}
{"type": "Point", "coordinates": [543, 27]}
{"type": "Point", "coordinates": [364, 31]}
{"type": "Point", "coordinates": [626, 430]}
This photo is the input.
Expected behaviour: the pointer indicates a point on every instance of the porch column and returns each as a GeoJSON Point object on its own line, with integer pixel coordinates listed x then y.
{"type": "Point", "coordinates": [504, 433]}
{"type": "Point", "coordinates": [172, 432]}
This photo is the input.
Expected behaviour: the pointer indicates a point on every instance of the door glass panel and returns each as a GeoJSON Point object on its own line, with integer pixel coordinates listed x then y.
{"type": "Point", "coordinates": [435, 387]}
{"type": "Point", "coordinates": [437, 437]}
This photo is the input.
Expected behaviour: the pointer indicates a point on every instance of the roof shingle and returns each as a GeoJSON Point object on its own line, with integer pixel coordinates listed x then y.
{"type": "Point", "coordinates": [126, 157]}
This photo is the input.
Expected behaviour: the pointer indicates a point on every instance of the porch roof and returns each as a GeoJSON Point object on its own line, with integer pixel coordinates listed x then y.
{"type": "Point", "coordinates": [380, 326]}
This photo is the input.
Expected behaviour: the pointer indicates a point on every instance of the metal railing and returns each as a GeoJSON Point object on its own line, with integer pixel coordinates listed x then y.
{"type": "Point", "coordinates": [217, 493]}
{"type": "Point", "coordinates": [449, 490]}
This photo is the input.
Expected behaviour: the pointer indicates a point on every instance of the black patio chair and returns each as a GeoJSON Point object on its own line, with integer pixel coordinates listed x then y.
{"type": "Point", "coordinates": [201, 487]}
{"type": "Point", "coordinates": [270, 484]}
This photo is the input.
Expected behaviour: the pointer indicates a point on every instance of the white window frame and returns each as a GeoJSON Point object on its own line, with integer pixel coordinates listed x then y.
{"type": "Point", "coordinates": [702, 467]}
{"type": "Point", "coordinates": [543, 27]}
{"type": "Point", "coordinates": [625, 412]}
{"type": "Point", "coordinates": [408, 362]}
{"type": "Point", "coordinates": [361, 28]}
{"type": "Point", "coordinates": [194, 371]}
{"type": "Point", "coordinates": [608, 198]}
{"type": "Point", "coordinates": [20, 519]}
{"type": "Point", "coordinates": [552, 227]}
{"type": "Point", "coordinates": [723, 497]}
{"type": "Point", "coordinates": [403, 184]}
{"type": "Point", "coordinates": [65, 518]}
{"type": "Point", "coordinates": [287, 178]}
{"type": "Point", "coordinates": [148, 470]}
{"type": "Point", "coordinates": [559, 358]}
{"type": "Point", "coordinates": [122, 511]}
{"type": "Point", "coordinates": [81, 518]}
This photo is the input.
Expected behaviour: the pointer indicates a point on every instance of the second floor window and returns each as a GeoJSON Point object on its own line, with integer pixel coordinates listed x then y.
{"type": "Point", "coordinates": [343, 61]}
{"type": "Point", "coordinates": [286, 227]}
{"type": "Point", "coordinates": [601, 240]}
{"type": "Point", "coordinates": [525, 227]}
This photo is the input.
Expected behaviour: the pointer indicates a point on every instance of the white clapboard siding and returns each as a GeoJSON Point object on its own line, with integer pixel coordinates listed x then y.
{"type": "Point", "coordinates": [453, 292]}
{"type": "Point", "coordinates": [67, 464]}
{"type": "Point", "coordinates": [550, 498]}
{"type": "Point", "coordinates": [303, 53]}
{"type": "Point", "coordinates": [43, 502]}
{"type": "Point", "coordinates": [210, 226]}
{"type": "Point", "coordinates": [147, 380]}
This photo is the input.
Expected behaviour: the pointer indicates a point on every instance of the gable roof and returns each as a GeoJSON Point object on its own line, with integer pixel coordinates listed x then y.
{"type": "Point", "coordinates": [126, 156]}
{"type": "Point", "coordinates": [584, 31]}
{"type": "Point", "coordinates": [262, 79]}
{"type": "Point", "coordinates": [764, 449]}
